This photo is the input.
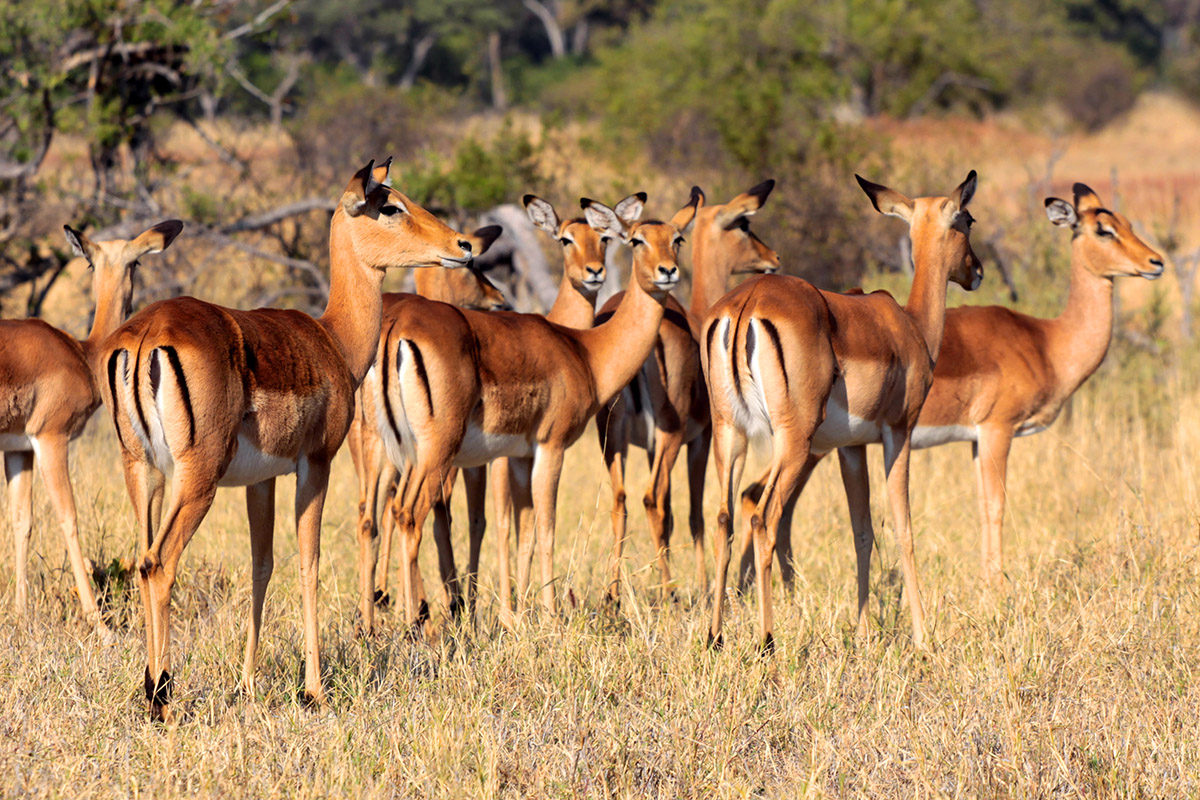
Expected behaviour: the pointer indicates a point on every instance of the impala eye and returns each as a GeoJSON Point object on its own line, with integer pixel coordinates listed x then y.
{"type": "Point", "coordinates": [605, 240]}
{"type": "Point", "coordinates": [1103, 231]}
{"type": "Point", "coordinates": [390, 210]}
{"type": "Point", "coordinates": [565, 241]}
{"type": "Point", "coordinates": [636, 242]}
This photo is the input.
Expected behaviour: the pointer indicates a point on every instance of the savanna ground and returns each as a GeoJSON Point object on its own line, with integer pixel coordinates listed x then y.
{"type": "Point", "coordinates": [1079, 680]}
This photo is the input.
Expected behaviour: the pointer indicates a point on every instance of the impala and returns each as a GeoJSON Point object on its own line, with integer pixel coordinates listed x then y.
{"type": "Point", "coordinates": [48, 394]}
{"type": "Point", "coordinates": [461, 388]}
{"type": "Point", "coordinates": [377, 475]}
{"type": "Point", "coordinates": [1002, 374]}
{"type": "Point", "coordinates": [666, 404]}
{"type": "Point", "coordinates": [218, 397]}
{"type": "Point", "coordinates": [815, 371]}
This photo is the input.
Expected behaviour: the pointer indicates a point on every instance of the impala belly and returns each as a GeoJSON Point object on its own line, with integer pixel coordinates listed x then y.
{"type": "Point", "coordinates": [251, 465]}
{"type": "Point", "coordinates": [11, 442]}
{"type": "Point", "coordinates": [479, 447]}
{"type": "Point", "coordinates": [924, 436]}
{"type": "Point", "coordinates": [841, 428]}
{"type": "Point", "coordinates": [1030, 428]}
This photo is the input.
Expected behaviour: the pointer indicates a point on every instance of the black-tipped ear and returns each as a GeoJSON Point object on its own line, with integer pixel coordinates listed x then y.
{"type": "Point", "coordinates": [1085, 198]}
{"type": "Point", "coordinates": [1061, 213]}
{"type": "Point", "coordinates": [487, 236]}
{"type": "Point", "coordinates": [698, 193]}
{"type": "Point", "coordinates": [630, 209]}
{"type": "Point", "coordinates": [762, 191]}
{"type": "Point", "coordinates": [966, 190]}
{"type": "Point", "coordinates": [80, 244]}
{"type": "Point", "coordinates": [541, 213]}
{"type": "Point", "coordinates": [354, 199]}
{"type": "Point", "coordinates": [603, 219]}
{"type": "Point", "coordinates": [885, 200]}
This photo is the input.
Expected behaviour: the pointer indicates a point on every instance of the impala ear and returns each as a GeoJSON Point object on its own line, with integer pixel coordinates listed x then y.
{"type": "Point", "coordinates": [541, 214]}
{"type": "Point", "coordinates": [381, 175]}
{"type": "Point", "coordinates": [684, 216]}
{"type": "Point", "coordinates": [1085, 198]}
{"type": "Point", "coordinates": [155, 240]}
{"type": "Point", "coordinates": [630, 209]}
{"type": "Point", "coordinates": [80, 244]}
{"type": "Point", "coordinates": [965, 191]}
{"type": "Point", "coordinates": [1061, 212]}
{"type": "Point", "coordinates": [603, 219]}
{"type": "Point", "coordinates": [887, 201]}
{"type": "Point", "coordinates": [745, 204]}
{"type": "Point", "coordinates": [354, 198]}
{"type": "Point", "coordinates": [484, 238]}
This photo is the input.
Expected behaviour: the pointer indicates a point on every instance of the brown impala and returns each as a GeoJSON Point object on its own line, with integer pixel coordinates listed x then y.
{"type": "Point", "coordinates": [48, 392]}
{"type": "Point", "coordinates": [217, 397]}
{"type": "Point", "coordinates": [815, 371]}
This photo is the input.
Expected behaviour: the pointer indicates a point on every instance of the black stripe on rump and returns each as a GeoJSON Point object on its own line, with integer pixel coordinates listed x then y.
{"type": "Point", "coordinates": [177, 368]}
{"type": "Point", "coordinates": [112, 390]}
{"type": "Point", "coordinates": [773, 334]}
{"type": "Point", "coordinates": [383, 377]}
{"type": "Point", "coordinates": [137, 395]}
{"type": "Point", "coordinates": [419, 363]}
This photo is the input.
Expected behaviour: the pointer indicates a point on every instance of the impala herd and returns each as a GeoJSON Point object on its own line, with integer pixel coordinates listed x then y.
{"type": "Point", "coordinates": [449, 379]}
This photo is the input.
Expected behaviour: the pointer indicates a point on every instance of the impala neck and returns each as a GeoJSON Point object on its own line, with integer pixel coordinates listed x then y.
{"type": "Point", "coordinates": [710, 279]}
{"type": "Point", "coordinates": [354, 313]}
{"type": "Point", "coordinates": [572, 308]}
{"type": "Point", "coordinates": [1079, 337]}
{"type": "Point", "coordinates": [616, 349]}
{"type": "Point", "coordinates": [927, 302]}
{"type": "Point", "coordinates": [113, 291]}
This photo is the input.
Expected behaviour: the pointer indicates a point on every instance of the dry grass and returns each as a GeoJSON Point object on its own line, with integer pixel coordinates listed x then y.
{"type": "Point", "coordinates": [1079, 681]}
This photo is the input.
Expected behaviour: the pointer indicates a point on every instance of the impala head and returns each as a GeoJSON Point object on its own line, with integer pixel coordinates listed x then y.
{"type": "Point", "coordinates": [387, 229]}
{"type": "Point", "coordinates": [472, 289]}
{"type": "Point", "coordinates": [655, 244]}
{"type": "Point", "coordinates": [723, 232]}
{"type": "Point", "coordinates": [1110, 247]}
{"type": "Point", "coordinates": [583, 247]}
{"type": "Point", "coordinates": [112, 261]}
{"type": "Point", "coordinates": [940, 227]}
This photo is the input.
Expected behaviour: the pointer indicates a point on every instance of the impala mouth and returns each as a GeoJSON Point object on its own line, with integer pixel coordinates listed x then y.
{"type": "Point", "coordinates": [1152, 276]}
{"type": "Point", "coordinates": [455, 263]}
{"type": "Point", "coordinates": [593, 283]}
{"type": "Point", "coordinates": [667, 284]}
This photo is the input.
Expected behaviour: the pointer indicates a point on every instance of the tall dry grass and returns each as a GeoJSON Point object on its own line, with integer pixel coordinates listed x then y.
{"type": "Point", "coordinates": [1079, 681]}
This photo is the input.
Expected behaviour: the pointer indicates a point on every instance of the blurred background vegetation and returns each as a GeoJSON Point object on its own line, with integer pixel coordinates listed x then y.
{"type": "Point", "coordinates": [245, 118]}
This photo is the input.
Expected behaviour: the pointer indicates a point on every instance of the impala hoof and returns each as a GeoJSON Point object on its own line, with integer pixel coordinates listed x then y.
{"type": "Point", "coordinates": [158, 696]}
{"type": "Point", "coordinates": [768, 645]}
{"type": "Point", "coordinates": [423, 613]}
{"type": "Point", "coordinates": [382, 598]}
{"type": "Point", "coordinates": [310, 701]}
{"type": "Point", "coordinates": [716, 643]}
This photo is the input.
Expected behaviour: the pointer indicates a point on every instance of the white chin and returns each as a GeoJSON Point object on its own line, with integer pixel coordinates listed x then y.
{"type": "Point", "coordinates": [455, 263]}
{"type": "Point", "coordinates": [1151, 276]}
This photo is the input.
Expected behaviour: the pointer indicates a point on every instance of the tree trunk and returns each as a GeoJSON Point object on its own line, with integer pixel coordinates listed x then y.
{"type": "Point", "coordinates": [579, 37]}
{"type": "Point", "coordinates": [554, 32]}
{"type": "Point", "coordinates": [499, 96]}
{"type": "Point", "coordinates": [420, 52]}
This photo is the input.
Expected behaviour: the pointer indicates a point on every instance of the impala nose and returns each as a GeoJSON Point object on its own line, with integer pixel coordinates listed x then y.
{"type": "Point", "coordinates": [668, 273]}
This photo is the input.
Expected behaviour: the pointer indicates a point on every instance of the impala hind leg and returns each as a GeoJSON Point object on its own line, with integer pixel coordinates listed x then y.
{"type": "Point", "coordinates": [750, 499]}
{"type": "Point", "coordinates": [52, 455]}
{"type": "Point", "coordinates": [388, 508]}
{"type": "Point", "coordinates": [658, 505]}
{"type": "Point", "coordinates": [260, 510]}
{"type": "Point", "coordinates": [857, 483]}
{"type": "Point", "coordinates": [443, 521]}
{"type": "Point", "coordinates": [729, 448]}
{"type": "Point", "coordinates": [697, 465]}
{"type": "Point", "coordinates": [614, 442]}
{"type": "Point", "coordinates": [782, 487]}
{"type": "Point", "coordinates": [520, 471]}
{"type": "Point", "coordinates": [312, 484]}
{"type": "Point", "coordinates": [192, 495]}
{"type": "Point", "coordinates": [896, 451]}
{"type": "Point", "coordinates": [475, 484]}
{"type": "Point", "coordinates": [502, 506]}
{"type": "Point", "coordinates": [18, 471]}
{"type": "Point", "coordinates": [410, 519]}
{"type": "Point", "coordinates": [991, 472]}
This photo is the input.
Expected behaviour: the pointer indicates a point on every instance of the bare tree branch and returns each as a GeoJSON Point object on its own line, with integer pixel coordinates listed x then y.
{"type": "Point", "coordinates": [259, 20]}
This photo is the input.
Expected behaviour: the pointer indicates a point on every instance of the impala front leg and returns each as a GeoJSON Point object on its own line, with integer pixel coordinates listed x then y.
{"type": "Point", "coordinates": [896, 450]}
{"type": "Point", "coordinates": [260, 510]}
{"type": "Point", "coordinates": [729, 445]}
{"type": "Point", "coordinates": [547, 468]}
{"type": "Point", "coordinates": [857, 483]}
{"type": "Point", "coordinates": [18, 469]}
{"type": "Point", "coordinates": [991, 471]}
{"type": "Point", "coordinates": [697, 465]}
{"type": "Point", "coordinates": [312, 483]}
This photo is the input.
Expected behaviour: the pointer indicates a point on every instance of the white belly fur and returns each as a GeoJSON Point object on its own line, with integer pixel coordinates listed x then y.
{"type": "Point", "coordinates": [841, 429]}
{"type": "Point", "coordinates": [478, 447]}
{"type": "Point", "coordinates": [936, 435]}
{"type": "Point", "coordinates": [250, 466]}
{"type": "Point", "coordinates": [12, 442]}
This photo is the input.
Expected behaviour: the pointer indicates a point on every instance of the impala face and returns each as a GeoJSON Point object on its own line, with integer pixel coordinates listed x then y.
{"type": "Point", "coordinates": [1105, 236]}
{"type": "Point", "coordinates": [939, 226]}
{"type": "Point", "coordinates": [655, 244]}
{"type": "Point", "coordinates": [387, 229]}
{"type": "Point", "coordinates": [584, 248]}
{"type": "Point", "coordinates": [111, 260]}
{"type": "Point", "coordinates": [725, 229]}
